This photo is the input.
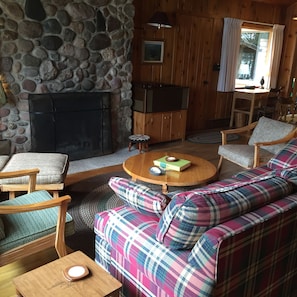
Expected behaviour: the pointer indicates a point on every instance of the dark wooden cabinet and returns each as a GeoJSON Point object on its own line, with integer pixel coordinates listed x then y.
{"type": "Point", "coordinates": [160, 111]}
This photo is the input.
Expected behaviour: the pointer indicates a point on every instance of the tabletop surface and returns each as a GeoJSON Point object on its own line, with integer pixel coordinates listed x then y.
{"type": "Point", "coordinates": [200, 171]}
{"type": "Point", "coordinates": [49, 280]}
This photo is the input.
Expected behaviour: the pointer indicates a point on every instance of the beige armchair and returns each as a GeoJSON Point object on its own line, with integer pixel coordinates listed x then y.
{"type": "Point", "coordinates": [33, 221]}
{"type": "Point", "coordinates": [267, 137]}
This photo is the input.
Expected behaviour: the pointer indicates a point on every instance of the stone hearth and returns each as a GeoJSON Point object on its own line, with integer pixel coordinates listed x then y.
{"type": "Point", "coordinates": [65, 46]}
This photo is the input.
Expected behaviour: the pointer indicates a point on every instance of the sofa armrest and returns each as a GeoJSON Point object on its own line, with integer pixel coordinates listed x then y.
{"type": "Point", "coordinates": [251, 233]}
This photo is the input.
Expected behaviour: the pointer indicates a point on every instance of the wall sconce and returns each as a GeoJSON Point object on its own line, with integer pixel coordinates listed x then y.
{"type": "Point", "coordinates": [2, 94]}
{"type": "Point", "coordinates": [294, 18]}
{"type": "Point", "coordinates": [160, 20]}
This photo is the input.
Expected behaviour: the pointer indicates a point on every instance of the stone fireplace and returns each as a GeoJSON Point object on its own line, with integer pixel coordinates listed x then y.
{"type": "Point", "coordinates": [63, 46]}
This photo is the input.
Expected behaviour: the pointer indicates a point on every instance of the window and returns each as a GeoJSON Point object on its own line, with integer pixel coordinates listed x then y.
{"type": "Point", "coordinates": [254, 56]}
{"type": "Point", "coordinates": [230, 63]}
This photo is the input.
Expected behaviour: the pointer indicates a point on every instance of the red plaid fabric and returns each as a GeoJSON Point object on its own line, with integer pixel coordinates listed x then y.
{"type": "Point", "coordinates": [287, 157]}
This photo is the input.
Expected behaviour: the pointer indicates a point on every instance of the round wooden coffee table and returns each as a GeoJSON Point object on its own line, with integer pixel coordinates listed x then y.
{"type": "Point", "coordinates": [200, 171]}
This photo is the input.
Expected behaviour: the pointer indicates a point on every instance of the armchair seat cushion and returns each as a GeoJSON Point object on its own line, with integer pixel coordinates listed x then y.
{"type": "Point", "coordinates": [243, 154]}
{"type": "Point", "coordinates": [53, 167]}
{"type": "Point", "coordinates": [25, 227]}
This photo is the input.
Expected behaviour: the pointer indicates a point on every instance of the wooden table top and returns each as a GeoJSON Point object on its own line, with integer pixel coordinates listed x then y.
{"type": "Point", "coordinates": [48, 280]}
{"type": "Point", "coordinates": [200, 171]}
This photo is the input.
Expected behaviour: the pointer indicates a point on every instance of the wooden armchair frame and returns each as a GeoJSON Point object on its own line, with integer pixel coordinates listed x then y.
{"type": "Point", "coordinates": [56, 239]}
{"type": "Point", "coordinates": [247, 130]}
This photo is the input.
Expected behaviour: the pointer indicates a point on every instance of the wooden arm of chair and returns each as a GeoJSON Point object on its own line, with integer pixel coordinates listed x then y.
{"type": "Point", "coordinates": [243, 129]}
{"type": "Point", "coordinates": [9, 209]}
{"type": "Point", "coordinates": [32, 173]}
{"type": "Point", "coordinates": [278, 141]}
{"type": "Point", "coordinates": [61, 202]}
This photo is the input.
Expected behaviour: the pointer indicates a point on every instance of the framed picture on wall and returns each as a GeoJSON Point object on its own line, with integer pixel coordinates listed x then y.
{"type": "Point", "coordinates": [153, 51]}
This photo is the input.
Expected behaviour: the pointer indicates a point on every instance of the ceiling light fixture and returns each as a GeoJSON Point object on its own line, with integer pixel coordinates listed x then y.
{"type": "Point", "coordinates": [160, 20]}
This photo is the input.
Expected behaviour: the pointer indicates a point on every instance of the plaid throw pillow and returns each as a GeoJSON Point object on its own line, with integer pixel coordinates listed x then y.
{"type": "Point", "coordinates": [139, 197]}
{"type": "Point", "coordinates": [191, 213]}
{"type": "Point", "coordinates": [287, 157]}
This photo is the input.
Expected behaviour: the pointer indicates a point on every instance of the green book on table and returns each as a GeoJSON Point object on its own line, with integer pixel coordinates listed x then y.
{"type": "Point", "coordinates": [176, 165]}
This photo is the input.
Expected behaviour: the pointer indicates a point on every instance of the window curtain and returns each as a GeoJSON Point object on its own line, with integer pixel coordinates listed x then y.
{"type": "Point", "coordinates": [229, 54]}
{"type": "Point", "coordinates": [276, 51]}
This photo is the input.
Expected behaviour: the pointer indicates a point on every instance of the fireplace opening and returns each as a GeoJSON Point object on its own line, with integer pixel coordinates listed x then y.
{"type": "Point", "coordinates": [75, 123]}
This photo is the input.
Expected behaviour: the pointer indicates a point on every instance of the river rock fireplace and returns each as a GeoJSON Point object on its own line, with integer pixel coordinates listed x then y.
{"type": "Point", "coordinates": [76, 123]}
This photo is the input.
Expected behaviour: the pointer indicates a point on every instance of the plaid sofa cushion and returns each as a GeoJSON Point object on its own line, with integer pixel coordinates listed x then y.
{"type": "Point", "coordinates": [191, 213]}
{"type": "Point", "coordinates": [252, 173]}
{"type": "Point", "coordinates": [138, 196]}
{"type": "Point", "coordinates": [287, 157]}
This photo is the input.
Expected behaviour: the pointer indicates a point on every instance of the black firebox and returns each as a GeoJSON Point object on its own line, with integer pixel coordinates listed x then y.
{"type": "Point", "coordinates": [74, 123]}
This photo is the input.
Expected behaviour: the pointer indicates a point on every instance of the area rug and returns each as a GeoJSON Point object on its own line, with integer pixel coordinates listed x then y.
{"type": "Point", "coordinates": [89, 196]}
{"type": "Point", "coordinates": [211, 137]}
{"type": "Point", "coordinates": [92, 195]}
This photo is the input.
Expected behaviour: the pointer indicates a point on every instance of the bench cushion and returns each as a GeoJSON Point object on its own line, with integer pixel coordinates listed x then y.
{"type": "Point", "coordinates": [53, 167]}
{"type": "Point", "coordinates": [3, 161]}
{"type": "Point", "coordinates": [191, 213]}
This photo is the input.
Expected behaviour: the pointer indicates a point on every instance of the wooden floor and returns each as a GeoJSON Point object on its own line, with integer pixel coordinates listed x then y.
{"type": "Point", "coordinates": [207, 151]}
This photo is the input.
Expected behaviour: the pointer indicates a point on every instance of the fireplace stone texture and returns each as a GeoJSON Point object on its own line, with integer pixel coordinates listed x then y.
{"type": "Point", "coordinates": [65, 46]}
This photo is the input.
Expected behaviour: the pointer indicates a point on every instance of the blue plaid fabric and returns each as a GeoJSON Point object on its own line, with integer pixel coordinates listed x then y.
{"type": "Point", "coordinates": [139, 196]}
{"type": "Point", "coordinates": [231, 259]}
{"type": "Point", "coordinates": [191, 213]}
{"type": "Point", "coordinates": [136, 256]}
{"type": "Point", "coordinates": [257, 247]}
{"type": "Point", "coordinates": [287, 157]}
{"type": "Point", "coordinates": [252, 173]}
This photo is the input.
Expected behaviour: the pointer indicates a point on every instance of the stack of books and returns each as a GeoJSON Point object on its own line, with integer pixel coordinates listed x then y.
{"type": "Point", "coordinates": [171, 163]}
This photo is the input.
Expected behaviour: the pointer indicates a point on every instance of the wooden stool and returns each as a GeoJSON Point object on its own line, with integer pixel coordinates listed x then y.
{"type": "Point", "coordinates": [140, 139]}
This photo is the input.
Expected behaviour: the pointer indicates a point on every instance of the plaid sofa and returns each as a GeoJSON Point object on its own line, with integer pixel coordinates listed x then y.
{"type": "Point", "coordinates": [235, 237]}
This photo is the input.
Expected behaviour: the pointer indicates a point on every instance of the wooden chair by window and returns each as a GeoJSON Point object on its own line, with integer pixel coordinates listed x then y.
{"type": "Point", "coordinates": [267, 138]}
{"type": "Point", "coordinates": [33, 221]}
{"type": "Point", "coordinates": [270, 107]}
{"type": "Point", "coordinates": [286, 109]}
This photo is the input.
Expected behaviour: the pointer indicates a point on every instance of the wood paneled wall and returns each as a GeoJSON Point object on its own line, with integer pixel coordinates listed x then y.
{"type": "Point", "coordinates": [193, 47]}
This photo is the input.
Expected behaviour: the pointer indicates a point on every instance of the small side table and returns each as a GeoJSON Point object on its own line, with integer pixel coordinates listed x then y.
{"type": "Point", "coordinates": [252, 97]}
{"type": "Point", "coordinates": [141, 140]}
{"type": "Point", "coordinates": [48, 280]}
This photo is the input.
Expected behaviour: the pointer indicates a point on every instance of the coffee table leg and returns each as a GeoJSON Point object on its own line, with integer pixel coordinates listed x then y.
{"type": "Point", "coordinates": [164, 189]}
